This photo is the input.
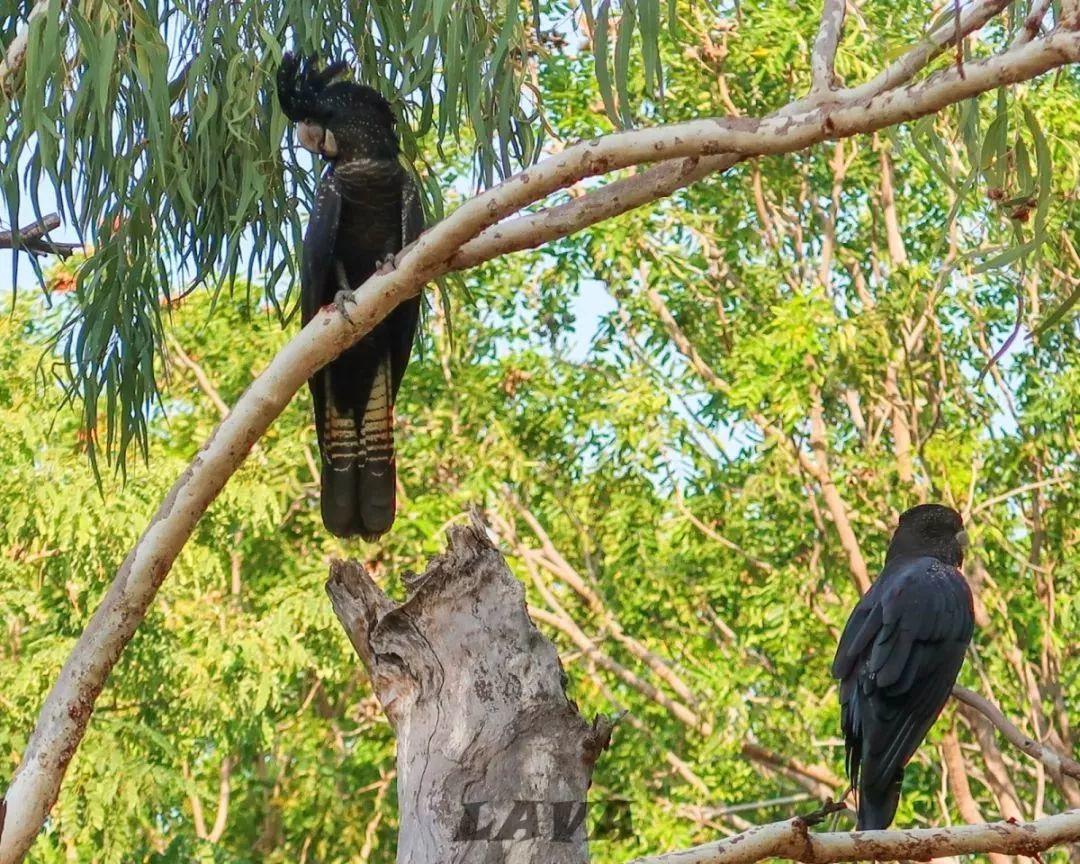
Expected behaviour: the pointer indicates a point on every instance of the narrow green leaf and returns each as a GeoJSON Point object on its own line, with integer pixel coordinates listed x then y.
{"type": "Point", "coordinates": [1044, 166]}
{"type": "Point", "coordinates": [623, 40]}
{"type": "Point", "coordinates": [1025, 179]}
{"type": "Point", "coordinates": [104, 71]}
{"type": "Point", "coordinates": [649, 27]}
{"type": "Point", "coordinates": [1009, 256]}
{"type": "Point", "coordinates": [1059, 312]}
{"type": "Point", "coordinates": [600, 58]}
{"type": "Point", "coordinates": [968, 111]}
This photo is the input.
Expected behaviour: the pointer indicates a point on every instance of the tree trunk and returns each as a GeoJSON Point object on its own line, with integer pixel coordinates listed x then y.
{"type": "Point", "coordinates": [493, 760]}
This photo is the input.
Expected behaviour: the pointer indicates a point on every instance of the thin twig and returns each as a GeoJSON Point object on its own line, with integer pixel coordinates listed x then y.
{"type": "Point", "coordinates": [1003, 350]}
{"type": "Point", "coordinates": [1058, 763]}
{"type": "Point", "coordinates": [1019, 490]}
{"type": "Point", "coordinates": [717, 537]}
{"type": "Point", "coordinates": [201, 378]}
{"type": "Point", "coordinates": [727, 809]}
{"type": "Point", "coordinates": [823, 60]}
{"type": "Point", "coordinates": [33, 240]}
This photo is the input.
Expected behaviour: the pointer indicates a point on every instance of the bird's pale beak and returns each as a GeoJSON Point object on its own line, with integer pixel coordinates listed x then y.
{"type": "Point", "coordinates": [962, 539]}
{"type": "Point", "coordinates": [317, 139]}
{"type": "Point", "coordinates": [329, 145]}
{"type": "Point", "coordinates": [311, 136]}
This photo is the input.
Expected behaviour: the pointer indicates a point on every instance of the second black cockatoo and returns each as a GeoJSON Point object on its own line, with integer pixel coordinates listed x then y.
{"type": "Point", "coordinates": [900, 653]}
{"type": "Point", "coordinates": [366, 209]}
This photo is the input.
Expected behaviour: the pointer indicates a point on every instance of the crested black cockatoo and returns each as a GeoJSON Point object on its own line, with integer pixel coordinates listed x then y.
{"type": "Point", "coordinates": [366, 209]}
{"type": "Point", "coordinates": [900, 653]}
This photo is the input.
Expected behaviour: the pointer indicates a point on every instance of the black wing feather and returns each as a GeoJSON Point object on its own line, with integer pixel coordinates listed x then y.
{"type": "Point", "coordinates": [317, 277]}
{"type": "Point", "coordinates": [316, 280]}
{"type": "Point", "coordinates": [391, 344]}
{"type": "Point", "coordinates": [380, 213]}
{"type": "Point", "coordinates": [898, 659]}
{"type": "Point", "coordinates": [407, 315]}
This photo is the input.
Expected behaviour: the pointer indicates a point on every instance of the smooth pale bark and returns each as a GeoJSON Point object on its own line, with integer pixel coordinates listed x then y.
{"type": "Point", "coordinates": [705, 144]}
{"type": "Point", "coordinates": [793, 840]}
{"type": "Point", "coordinates": [475, 694]}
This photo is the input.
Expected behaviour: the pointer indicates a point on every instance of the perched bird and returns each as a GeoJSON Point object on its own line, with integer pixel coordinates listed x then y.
{"type": "Point", "coordinates": [366, 209]}
{"type": "Point", "coordinates": [900, 653]}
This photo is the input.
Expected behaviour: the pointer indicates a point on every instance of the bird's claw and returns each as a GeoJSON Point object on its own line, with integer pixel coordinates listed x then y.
{"type": "Point", "coordinates": [342, 301]}
{"type": "Point", "coordinates": [387, 264]}
{"type": "Point", "coordinates": [827, 809]}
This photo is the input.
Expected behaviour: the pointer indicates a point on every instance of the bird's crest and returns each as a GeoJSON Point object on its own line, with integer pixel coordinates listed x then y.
{"type": "Point", "coordinates": [307, 92]}
{"type": "Point", "coordinates": [301, 84]}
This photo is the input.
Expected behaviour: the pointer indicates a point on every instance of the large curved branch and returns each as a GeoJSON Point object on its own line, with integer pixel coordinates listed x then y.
{"type": "Point", "coordinates": [779, 133]}
{"type": "Point", "coordinates": [669, 176]}
{"type": "Point", "coordinates": [792, 839]}
{"type": "Point", "coordinates": [67, 708]}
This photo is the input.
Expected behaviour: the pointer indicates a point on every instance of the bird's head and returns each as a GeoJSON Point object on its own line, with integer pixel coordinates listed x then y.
{"type": "Point", "coordinates": [930, 529]}
{"type": "Point", "coordinates": [339, 120]}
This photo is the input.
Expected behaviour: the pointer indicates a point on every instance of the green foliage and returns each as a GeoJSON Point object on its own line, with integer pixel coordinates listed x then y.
{"type": "Point", "coordinates": [241, 657]}
{"type": "Point", "coordinates": [160, 136]}
{"type": "Point", "coordinates": [704, 536]}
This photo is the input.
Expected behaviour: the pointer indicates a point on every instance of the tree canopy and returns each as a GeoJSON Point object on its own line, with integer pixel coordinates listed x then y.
{"type": "Point", "coordinates": [161, 142]}
{"type": "Point", "coordinates": [691, 427]}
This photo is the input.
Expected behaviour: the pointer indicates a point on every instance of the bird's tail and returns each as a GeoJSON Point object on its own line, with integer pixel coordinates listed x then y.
{"type": "Point", "coordinates": [359, 481]}
{"type": "Point", "coordinates": [877, 807]}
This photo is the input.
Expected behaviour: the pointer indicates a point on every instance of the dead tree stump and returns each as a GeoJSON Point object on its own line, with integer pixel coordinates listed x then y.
{"type": "Point", "coordinates": [493, 760]}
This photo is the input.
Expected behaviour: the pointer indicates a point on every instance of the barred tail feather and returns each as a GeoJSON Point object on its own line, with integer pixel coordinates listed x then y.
{"type": "Point", "coordinates": [340, 471]}
{"type": "Point", "coordinates": [377, 489]}
{"type": "Point", "coordinates": [358, 477]}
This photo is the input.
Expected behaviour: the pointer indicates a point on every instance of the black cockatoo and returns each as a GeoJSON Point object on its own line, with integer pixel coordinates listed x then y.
{"type": "Point", "coordinates": [366, 209]}
{"type": "Point", "coordinates": [900, 653]}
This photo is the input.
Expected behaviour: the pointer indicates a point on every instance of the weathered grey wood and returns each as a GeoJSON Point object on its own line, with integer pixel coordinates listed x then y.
{"type": "Point", "coordinates": [475, 694]}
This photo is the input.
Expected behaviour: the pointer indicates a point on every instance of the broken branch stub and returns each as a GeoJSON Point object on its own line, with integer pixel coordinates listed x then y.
{"type": "Point", "coordinates": [494, 761]}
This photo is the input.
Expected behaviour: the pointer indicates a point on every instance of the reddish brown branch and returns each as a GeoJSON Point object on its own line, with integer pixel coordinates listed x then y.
{"type": "Point", "coordinates": [33, 239]}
